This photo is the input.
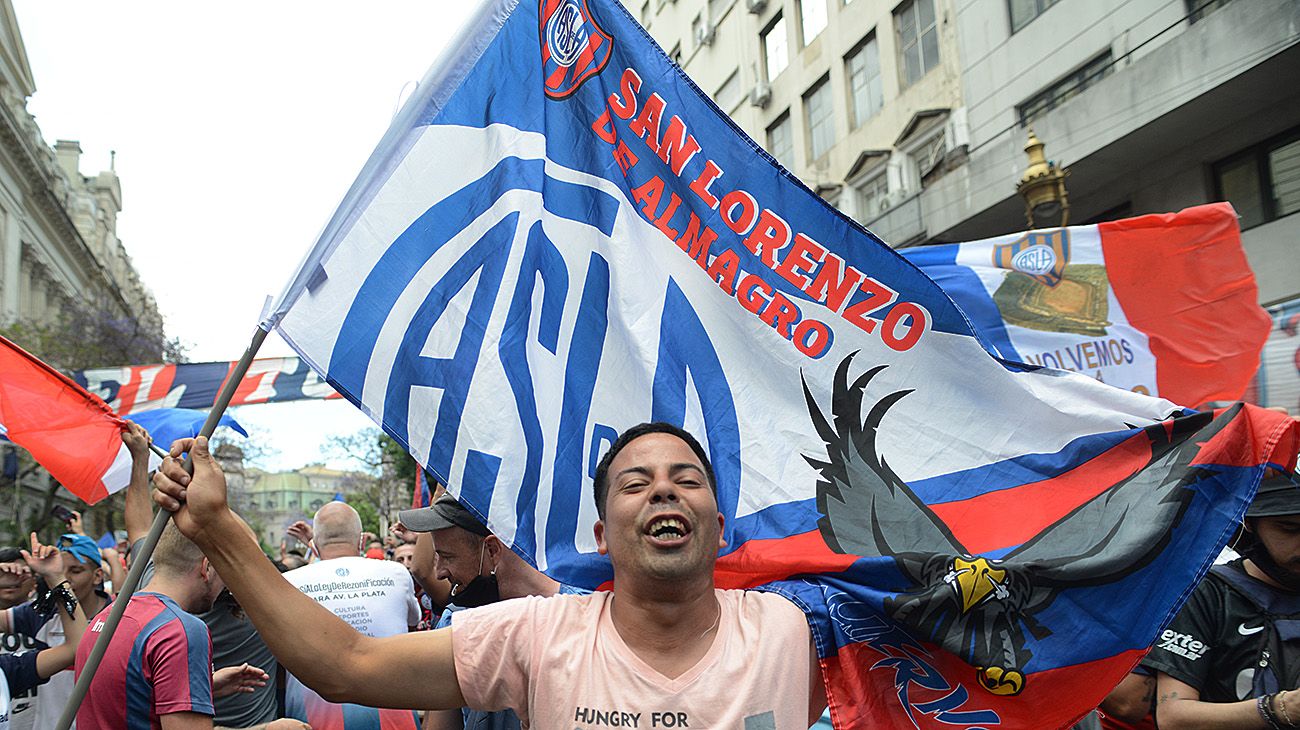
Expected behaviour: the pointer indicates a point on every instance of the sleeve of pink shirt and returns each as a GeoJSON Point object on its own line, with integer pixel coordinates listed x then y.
{"type": "Point", "coordinates": [494, 648]}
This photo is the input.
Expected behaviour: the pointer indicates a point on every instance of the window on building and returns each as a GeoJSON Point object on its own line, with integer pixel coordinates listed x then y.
{"type": "Point", "coordinates": [929, 154]}
{"type": "Point", "coordinates": [873, 197]}
{"type": "Point", "coordinates": [819, 118]}
{"type": "Point", "coordinates": [1262, 182]}
{"type": "Point", "coordinates": [780, 141]}
{"type": "Point", "coordinates": [1066, 88]}
{"type": "Point", "coordinates": [1198, 9]}
{"type": "Point", "coordinates": [717, 8]}
{"type": "Point", "coordinates": [676, 53]}
{"type": "Point", "coordinates": [728, 95]}
{"type": "Point", "coordinates": [918, 38]}
{"type": "Point", "coordinates": [812, 19]}
{"type": "Point", "coordinates": [775, 50]}
{"type": "Point", "coordinates": [1023, 11]}
{"type": "Point", "coordinates": [865, 90]}
{"type": "Point", "coordinates": [645, 14]}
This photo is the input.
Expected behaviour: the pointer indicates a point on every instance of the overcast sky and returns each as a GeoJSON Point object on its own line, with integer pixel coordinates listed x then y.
{"type": "Point", "coordinates": [238, 127]}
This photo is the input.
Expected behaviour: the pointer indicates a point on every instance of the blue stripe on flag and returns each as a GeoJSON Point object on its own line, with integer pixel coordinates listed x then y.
{"type": "Point", "coordinates": [940, 264]}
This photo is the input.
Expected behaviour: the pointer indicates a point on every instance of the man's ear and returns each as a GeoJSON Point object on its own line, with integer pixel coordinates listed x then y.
{"type": "Point", "coordinates": [601, 547]}
{"type": "Point", "coordinates": [494, 547]}
{"type": "Point", "coordinates": [722, 524]}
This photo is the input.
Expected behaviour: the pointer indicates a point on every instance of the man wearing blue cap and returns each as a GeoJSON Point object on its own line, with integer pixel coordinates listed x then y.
{"type": "Point", "coordinates": [81, 566]}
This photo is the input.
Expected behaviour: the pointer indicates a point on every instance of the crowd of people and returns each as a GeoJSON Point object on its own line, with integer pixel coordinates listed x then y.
{"type": "Point", "coordinates": [441, 625]}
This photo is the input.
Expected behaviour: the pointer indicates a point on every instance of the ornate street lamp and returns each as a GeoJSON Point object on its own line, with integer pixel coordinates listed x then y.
{"type": "Point", "coordinates": [1043, 188]}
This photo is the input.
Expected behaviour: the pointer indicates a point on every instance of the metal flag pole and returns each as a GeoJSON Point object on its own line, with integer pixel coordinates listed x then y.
{"type": "Point", "coordinates": [151, 541]}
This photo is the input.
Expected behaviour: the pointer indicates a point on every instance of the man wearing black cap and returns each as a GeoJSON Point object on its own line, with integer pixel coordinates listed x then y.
{"type": "Point", "coordinates": [1231, 657]}
{"type": "Point", "coordinates": [481, 570]}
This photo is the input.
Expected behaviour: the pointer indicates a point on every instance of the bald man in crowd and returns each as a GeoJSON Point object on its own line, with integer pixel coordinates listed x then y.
{"type": "Point", "coordinates": [376, 597]}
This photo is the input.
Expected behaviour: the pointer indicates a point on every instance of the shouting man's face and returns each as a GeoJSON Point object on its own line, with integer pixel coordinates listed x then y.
{"type": "Point", "coordinates": [661, 518]}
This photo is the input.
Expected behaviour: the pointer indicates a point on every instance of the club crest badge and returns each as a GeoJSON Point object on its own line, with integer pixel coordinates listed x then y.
{"type": "Point", "coordinates": [574, 47]}
{"type": "Point", "coordinates": [1041, 255]}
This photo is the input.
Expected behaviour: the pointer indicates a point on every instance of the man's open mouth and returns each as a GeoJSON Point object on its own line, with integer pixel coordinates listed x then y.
{"type": "Point", "coordinates": [668, 528]}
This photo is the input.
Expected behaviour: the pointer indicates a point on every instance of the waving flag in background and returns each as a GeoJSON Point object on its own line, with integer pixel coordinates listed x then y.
{"type": "Point", "coordinates": [560, 237]}
{"type": "Point", "coordinates": [73, 434]}
{"type": "Point", "coordinates": [135, 388]}
{"type": "Point", "coordinates": [166, 425]}
{"type": "Point", "coordinates": [421, 496]}
{"type": "Point", "coordinates": [1160, 304]}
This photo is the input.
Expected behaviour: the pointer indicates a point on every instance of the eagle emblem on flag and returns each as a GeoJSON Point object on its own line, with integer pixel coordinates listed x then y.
{"type": "Point", "coordinates": [984, 609]}
{"type": "Point", "coordinates": [574, 46]}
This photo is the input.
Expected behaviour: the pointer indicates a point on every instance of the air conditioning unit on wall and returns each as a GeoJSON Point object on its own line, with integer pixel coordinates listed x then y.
{"type": "Point", "coordinates": [761, 95]}
{"type": "Point", "coordinates": [704, 34]}
{"type": "Point", "coordinates": [755, 6]}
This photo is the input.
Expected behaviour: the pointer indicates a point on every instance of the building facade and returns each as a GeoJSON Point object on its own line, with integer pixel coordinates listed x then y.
{"type": "Point", "coordinates": [58, 247]}
{"type": "Point", "coordinates": [276, 500]}
{"type": "Point", "coordinates": [911, 116]}
{"type": "Point", "coordinates": [58, 228]}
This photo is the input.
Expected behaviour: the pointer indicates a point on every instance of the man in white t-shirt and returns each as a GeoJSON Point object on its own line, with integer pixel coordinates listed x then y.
{"type": "Point", "coordinates": [664, 649]}
{"type": "Point", "coordinates": [375, 597]}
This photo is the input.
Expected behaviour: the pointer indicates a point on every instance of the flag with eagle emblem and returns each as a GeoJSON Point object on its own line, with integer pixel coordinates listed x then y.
{"type": "Point", "coordinates": [560, 237]}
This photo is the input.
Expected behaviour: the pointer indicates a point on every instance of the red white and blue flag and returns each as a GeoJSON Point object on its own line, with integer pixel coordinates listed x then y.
{"type": "Point", "coordinates": [1159, 304]}
{"type": "Point", "coordinates": [134, 388]}
{"type": "Point", "coordinates": [539, 256]}
{"type": "Point", "coordinates": [421, 496]}
{"type": "Point", "coordinates": [73, 434]}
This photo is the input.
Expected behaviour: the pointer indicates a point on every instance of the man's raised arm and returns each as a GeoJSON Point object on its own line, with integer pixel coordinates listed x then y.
{"type": "Point", "coordinates": [320, 649]}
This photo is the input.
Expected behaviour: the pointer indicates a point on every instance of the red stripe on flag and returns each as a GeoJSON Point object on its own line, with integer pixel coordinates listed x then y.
{"type": "Point", "coordinates": [127, 393]}
{"type": "Point", "coordinates": [162, 383]}
{"type": "Point", "coordinates": [1182, 279]}
{"type": "Point", "coordinates": [859, 701]}
{"type": "Point", "coordinates": [1255, 437]}
{"type": "Point", "coordinates": [556, 78]}
{"type": "Point", "coordinates": [1012, 516]}
{"type": "Point", "coordinates": [763, 561]}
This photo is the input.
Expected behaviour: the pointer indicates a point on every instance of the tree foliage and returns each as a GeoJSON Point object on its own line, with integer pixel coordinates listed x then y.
{"type": "Point", "coordinates": [386, 474]}
{"type": "Point", "coordinates": [87, 334]}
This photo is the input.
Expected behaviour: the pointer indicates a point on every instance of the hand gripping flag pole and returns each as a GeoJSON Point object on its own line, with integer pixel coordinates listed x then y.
{"type": "Point", "coordinates": [151, 541]}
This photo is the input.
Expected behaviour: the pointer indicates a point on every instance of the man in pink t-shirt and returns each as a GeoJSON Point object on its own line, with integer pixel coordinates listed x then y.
{"type": "Point", "coordinates": [664, 649]}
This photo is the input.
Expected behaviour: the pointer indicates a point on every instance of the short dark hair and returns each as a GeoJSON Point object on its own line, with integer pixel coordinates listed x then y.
{"type": "Point", "coordinates": [600, 486]}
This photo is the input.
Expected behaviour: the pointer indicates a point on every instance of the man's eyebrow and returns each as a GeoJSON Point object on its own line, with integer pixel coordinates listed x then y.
{"type": "Point", "coordinates": [634, 470]}
{"type": "Point", "coordinates": [672, 469]}
{"type": "Point", "coordinates": [683, 466]}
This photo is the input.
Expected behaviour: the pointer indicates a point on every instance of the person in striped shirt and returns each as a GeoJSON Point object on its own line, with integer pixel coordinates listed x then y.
{"type": "Point", "coordinates": [157, 670]}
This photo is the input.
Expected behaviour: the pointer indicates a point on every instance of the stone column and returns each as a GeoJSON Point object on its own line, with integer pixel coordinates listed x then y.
{"type": "Point", "coordinates": [11, 248]}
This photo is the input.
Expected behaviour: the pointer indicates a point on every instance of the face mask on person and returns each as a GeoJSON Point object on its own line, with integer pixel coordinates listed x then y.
{"type": "Point", "coordinates": [1251, 547]}
{"type": "Point", "coordinates": [478, 592]}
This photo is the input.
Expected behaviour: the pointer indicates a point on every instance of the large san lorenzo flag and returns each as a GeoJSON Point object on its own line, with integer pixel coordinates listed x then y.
{"type": "Point", "coordinates": [560, 237]}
